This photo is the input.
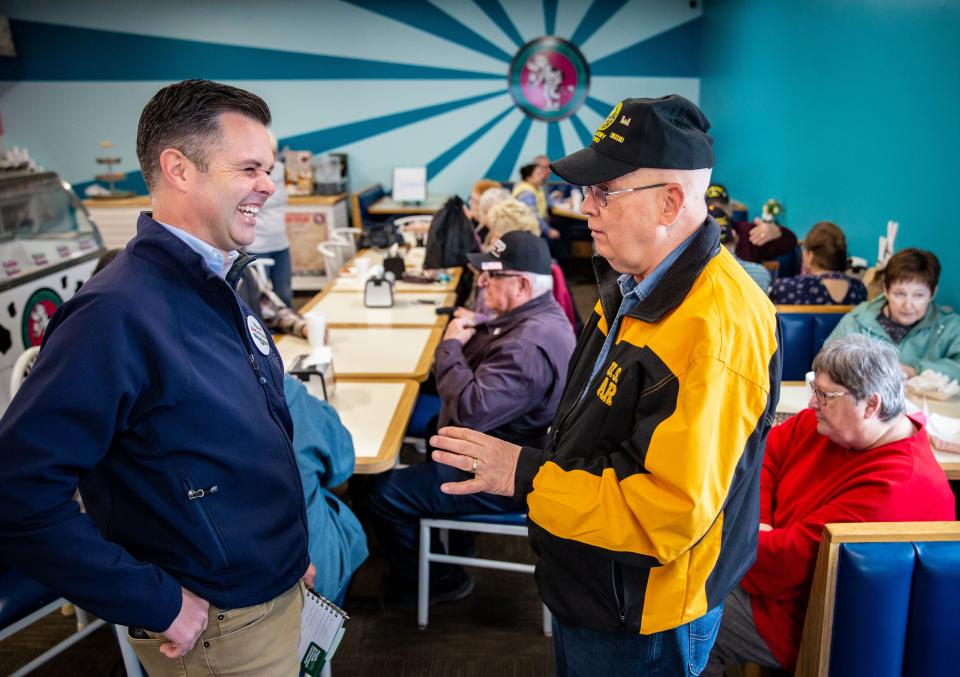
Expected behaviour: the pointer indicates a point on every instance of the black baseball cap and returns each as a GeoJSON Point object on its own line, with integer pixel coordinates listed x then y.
{"type": "Point", "coordinates": [517, 250]}
{"type": "Point", "coordinates": [716, 192]}
{"type": "Point", "coordinates": [720, 216]}
{"type": "Point", "coordinates": [665, 133]}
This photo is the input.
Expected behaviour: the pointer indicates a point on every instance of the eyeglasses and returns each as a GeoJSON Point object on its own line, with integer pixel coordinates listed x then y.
{"type": "Point", "coordinates": [824, 397]}
{"type": "Point", "coordinates": [600, 195]}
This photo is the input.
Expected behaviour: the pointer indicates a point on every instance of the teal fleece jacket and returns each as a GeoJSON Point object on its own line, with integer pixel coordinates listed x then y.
{"type": "Point", "coordinates": [325, 456]}
{"type": "Point", "coordinates": [933, 343]}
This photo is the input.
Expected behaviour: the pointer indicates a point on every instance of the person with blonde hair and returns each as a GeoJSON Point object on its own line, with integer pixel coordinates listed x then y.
{"type": "Point", "coordinates": [488, 200]}
{"type": "Point", "coordinates": [508, 216]}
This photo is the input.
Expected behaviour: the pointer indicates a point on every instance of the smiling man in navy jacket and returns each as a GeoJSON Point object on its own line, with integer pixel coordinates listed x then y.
{"type": "Point", "coordinates": [161, 394]}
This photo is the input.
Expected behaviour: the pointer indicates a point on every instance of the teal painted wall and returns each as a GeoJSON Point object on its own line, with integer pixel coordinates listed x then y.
{"type": "Point", "coordinates": [844, 110]}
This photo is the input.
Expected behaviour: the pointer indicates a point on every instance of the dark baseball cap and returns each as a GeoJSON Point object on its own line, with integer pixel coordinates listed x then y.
{"type": "Point", "coordinates": [517, 250]}
{"type": "Point", "coordinates": [720, 216]}
{"type": "Point", "coordinates": [717, 193]}
{"type": "Point", "coordinates": [665, 133]}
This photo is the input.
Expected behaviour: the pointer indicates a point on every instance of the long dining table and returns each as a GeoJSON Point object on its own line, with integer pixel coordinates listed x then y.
{"type": "Point", "coordinates": [380, 357]}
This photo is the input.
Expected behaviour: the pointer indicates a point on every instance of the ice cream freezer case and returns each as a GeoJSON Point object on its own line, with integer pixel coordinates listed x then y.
{"type": "Point", "coordinates": [49, 247]}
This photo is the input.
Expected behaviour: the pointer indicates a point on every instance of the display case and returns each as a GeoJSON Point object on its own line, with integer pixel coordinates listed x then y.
{"type": "Point", "coordinates": [49, 246]}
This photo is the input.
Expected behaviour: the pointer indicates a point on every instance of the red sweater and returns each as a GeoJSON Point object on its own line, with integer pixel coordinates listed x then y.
{"type": "Point", "coordinates": [808, 481]}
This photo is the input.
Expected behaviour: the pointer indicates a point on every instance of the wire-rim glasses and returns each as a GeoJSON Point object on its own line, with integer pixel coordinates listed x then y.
{"type": "Point", "coordinates": [600, 195]}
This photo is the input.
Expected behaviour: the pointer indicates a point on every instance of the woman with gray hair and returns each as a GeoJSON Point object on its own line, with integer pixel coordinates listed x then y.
{"type": "Point", "coordinates": [852, 456]}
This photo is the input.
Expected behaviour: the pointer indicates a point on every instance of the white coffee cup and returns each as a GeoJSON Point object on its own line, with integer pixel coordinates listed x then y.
{"type": "Point", "coordinates": [316, 329]}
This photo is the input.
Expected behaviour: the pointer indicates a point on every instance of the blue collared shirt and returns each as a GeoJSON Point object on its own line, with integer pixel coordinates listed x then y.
{"type": "Point", "coordinates": [212, 256]}
{"type": "Point", "coordinates": [633, 294]}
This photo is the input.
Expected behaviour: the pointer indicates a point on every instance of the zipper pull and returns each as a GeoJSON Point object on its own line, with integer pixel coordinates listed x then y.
{"type": "Point", "coordinates": [256, 369]}
{"type": "Point", "coordinates": [193, 494]}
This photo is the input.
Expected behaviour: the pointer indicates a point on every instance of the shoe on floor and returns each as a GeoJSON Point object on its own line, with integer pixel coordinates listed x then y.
{"type": "Point", "coordinates": [449, 588]}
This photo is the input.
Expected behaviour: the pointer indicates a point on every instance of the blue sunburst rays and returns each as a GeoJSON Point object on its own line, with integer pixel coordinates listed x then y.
{"type": "Point", "coordinates": [550, 16]}
{"type": "Point", "coordinates": [439, 163]}
{"type": "Point", "coordinates": [49, 52]}
{"type": "Point", "coordinates": [673, 53]}
{"type": "Point", "coordinates": [322, 140]}
{"type": "Point", "coordinates": [582, 132]}
{"type": "Point", "coordinates": [498, 15]}
{"type": "Point", "coordinates": [502, 166]}
{"type": "Point", "coordinates": [601, 108]}
{"type": "Point", "coordinates": [554, 141]}
{"type": "Point", "coordinates": [429, 18]}
{"type": "Point", "coordinates": [598, 14]}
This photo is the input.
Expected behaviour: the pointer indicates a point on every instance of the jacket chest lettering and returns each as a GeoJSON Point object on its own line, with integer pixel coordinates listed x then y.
{"type": "Point", "coordinates": [608, 387]}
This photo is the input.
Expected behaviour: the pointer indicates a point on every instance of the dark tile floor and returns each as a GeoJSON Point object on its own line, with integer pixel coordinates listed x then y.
{"type": "Point", "coordinates": [495, 632]}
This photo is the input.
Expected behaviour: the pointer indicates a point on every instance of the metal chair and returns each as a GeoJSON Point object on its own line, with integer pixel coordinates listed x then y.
{"type": "Point", "coordinates": [511, 524]}
{"type": "Point", "coordinates": [334, 256]}
{"type": "Point", "coordinates": [347, 236]}
{"type": "Point", "coordinates": [22, 367]}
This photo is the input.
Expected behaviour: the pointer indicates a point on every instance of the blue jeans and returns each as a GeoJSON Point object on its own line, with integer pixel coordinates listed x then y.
{"type": "Point", "coordinates": [580, 652]}
{"type": "Point", "coordinates": [399, 499]}
{"type": "Point", "coordinates": [281, 274]}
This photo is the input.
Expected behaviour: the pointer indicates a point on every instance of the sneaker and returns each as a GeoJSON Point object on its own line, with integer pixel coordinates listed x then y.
{"type": "Point", "coordinates": [445, 589]}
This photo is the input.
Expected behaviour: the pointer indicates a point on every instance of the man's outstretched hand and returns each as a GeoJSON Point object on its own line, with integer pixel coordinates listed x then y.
{"type": "Point", "coordinates": [493, 462]}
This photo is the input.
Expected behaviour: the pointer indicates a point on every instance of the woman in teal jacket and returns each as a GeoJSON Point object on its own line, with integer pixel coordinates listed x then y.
{"type": "Point", "coordinates": [927, 335]}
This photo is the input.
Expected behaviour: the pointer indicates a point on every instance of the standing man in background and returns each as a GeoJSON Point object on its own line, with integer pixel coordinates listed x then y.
{"type": "Point", "coordinates": [271, 240]}
{"type": "Point", "coordinates": [161, 394]}
{"type": "Point", "coordinates": [643, 505]}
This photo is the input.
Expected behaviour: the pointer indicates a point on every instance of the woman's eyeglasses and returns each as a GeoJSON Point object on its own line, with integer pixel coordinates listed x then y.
{"type": "Point", "coordinates": [824, 397]}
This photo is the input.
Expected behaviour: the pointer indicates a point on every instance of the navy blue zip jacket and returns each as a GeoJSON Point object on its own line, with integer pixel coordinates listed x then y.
{"type": "Point", "coordinates": [151, 388]}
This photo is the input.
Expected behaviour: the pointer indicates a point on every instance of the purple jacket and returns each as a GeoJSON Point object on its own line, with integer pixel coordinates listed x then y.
{"type": "Point", "coordinates": [507, 380]}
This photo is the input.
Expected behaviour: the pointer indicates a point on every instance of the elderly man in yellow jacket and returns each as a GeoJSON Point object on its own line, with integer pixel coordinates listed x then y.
{"type": "Point", "coordinates": [643, 506]}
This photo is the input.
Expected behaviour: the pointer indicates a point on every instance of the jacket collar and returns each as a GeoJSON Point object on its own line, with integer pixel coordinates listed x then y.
{"type": "Point", "coordinates": [155, 243]}
{"type": "Point", "coordinates": [520, 314]}
{"type": "Point", "coordinates": [672, 288]}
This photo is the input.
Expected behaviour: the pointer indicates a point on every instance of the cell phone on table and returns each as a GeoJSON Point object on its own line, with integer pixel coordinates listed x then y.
{"type": "Point", "coordinates": [427, 302]}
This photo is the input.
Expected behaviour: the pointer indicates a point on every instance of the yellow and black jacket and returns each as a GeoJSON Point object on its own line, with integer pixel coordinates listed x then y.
{"type": "Point", "coordinates": [644, 506]}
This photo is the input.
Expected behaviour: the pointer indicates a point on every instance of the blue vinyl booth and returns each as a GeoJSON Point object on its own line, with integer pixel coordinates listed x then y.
{"type": "Point", "coordinates": [805, 328]}
{"type": "Point", "coordinates": [884, 601]}
{"type": "Point", "coordinates": [360, 203]}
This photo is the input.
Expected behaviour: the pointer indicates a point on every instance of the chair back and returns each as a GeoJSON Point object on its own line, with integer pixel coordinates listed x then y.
{"type": "Point", "coordinates": [883, 601]}
{"type": "Point", "coordinates": [805, 328]}
{"type": "Point", "coordinates": [22, 367]}
{"type": "Point", "coordinates": [334, 256]}
{"type": "Point", "coordinates": [361, 201]}
{"type": "Point", "coordinates": [348, 238]}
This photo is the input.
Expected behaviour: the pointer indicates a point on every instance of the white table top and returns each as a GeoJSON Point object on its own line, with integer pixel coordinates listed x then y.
{"type": "Point", "coordinates": [380, 354]}
{"type": "Point", "coordinates": [376, 414]}
{"type": "Point", "coordinates": [407, 311]}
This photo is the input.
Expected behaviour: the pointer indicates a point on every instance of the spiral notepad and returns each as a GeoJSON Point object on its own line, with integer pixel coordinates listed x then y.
{"type": "Point", "coordinates": [321, 630]}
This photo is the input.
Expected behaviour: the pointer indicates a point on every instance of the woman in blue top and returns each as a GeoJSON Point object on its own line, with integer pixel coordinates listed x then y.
{"type": "Point", "coordinates": [822, 281]}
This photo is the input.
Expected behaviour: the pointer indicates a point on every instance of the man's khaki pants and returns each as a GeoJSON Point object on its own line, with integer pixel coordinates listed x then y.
{"type": "Point", "coordinates": [253, 640]}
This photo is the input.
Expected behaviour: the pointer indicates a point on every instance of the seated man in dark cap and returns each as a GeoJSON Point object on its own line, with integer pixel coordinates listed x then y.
{"type": "Point", "coordinates": [503, 376]}
{"type": "Point", "coordinates": [643, 503]}
{"type": "Point", "coordinates": [757, 240]}
{"type": "Point", "coordinates": [730, 240]}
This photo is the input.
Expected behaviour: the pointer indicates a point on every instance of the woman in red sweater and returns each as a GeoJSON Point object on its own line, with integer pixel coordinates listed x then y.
{"type": "Point", "coordinates": [852, 456]}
